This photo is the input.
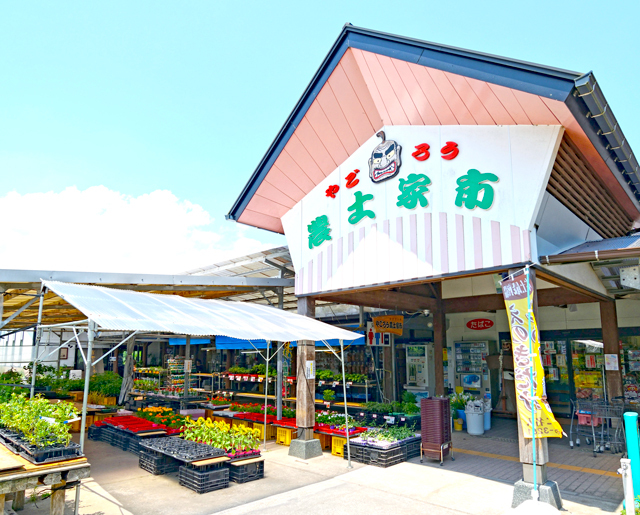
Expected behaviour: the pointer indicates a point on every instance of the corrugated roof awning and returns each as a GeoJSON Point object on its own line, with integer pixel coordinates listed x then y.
{"type": "Point", "coordinates": [227, 343]}
{"type": "Point", "coordinates": [123, 310]}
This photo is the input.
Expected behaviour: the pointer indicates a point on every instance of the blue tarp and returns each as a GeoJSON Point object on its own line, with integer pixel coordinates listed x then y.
{"type": "Point", "coordinates": [194, 341]}
{"type": "Point", "coordinates": [228, 343]}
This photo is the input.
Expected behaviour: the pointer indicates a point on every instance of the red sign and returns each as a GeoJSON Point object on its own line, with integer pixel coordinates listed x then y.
{"type": "Point", "coordinates": [480, 324]}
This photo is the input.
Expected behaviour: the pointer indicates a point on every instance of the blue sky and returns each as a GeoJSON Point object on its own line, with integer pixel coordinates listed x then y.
{"type": "Point", "coordinates": [185, 97]}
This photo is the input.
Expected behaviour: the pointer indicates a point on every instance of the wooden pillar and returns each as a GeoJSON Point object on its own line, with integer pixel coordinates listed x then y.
{"type": "Point", "coordinates": [115, 363]}
{"type": "Point", "coordinates": [439, 340]}
{"type": "Point", "coordinates": [306, 388]}
{"type": "Point", "coordinates": [18, 501]}
{"type": "Point", "coordinates": [526, 444]}
{"type": "Point", "coordinates": [57, 499]}
{"type": "Point", "coordinates": [611, 341]}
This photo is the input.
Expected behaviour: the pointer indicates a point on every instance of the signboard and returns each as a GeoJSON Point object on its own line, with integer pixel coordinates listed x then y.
{"type": "Point", "coordinates": [611, 362]}
{"type": "Point", "coordinates": [388, 324]}
{"type": "Point", "coordinates": [518, 296]}
{"type": "Point", "coordinates": [375, 339]}
{"type": "Point", "coordinates": [187, 365]}
{"type": "Point", "coordinates": [480, 324]}
{"type": "Point", "coordinates": [420, 201]}
{"type": "Point", "coordinates": [310, 369]}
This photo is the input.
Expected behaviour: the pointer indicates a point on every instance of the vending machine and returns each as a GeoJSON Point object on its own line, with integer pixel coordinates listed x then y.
{"type": "Point", "coordinates": [420, 370]}
{"type": "Point", "coordinates": [472, 371]}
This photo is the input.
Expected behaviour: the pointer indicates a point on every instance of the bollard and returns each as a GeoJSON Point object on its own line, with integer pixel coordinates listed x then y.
{"type": "Point", "coordinates": [627, 482]}
{"type": "Point", "coordinates": [633, 448]}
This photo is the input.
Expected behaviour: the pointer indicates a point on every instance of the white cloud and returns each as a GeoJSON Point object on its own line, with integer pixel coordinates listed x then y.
{"type": "Point", "coordinates": [103, 230]}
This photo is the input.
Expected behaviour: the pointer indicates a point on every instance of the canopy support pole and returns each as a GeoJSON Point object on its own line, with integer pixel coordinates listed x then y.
{"type": "Point", "coordinates": [279, 360]}
{"type": "Point", "coordinates": [38, 335]}
{"type": "Point", "coordinates": [346, 414]}
{"type": "Point", "coordinates": [87, 377]}
{"type": "Point", "coordinates": [266, 392]}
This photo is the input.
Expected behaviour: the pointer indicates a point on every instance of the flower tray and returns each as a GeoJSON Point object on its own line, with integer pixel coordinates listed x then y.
{"type": "Point", "coordinates": [51, 454]}
{"type": "Point", "coordinates": [377, 457]}
{"type": "Point", "coordinates": [243, 455]}
{"type": "Point", "coordinates": [183, 450]}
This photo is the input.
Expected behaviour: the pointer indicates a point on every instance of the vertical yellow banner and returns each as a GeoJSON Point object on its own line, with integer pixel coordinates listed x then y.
{"type": "Point", "coordinates": [514, 290]}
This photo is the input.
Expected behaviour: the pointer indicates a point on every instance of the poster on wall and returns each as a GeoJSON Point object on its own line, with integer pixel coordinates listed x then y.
{"type": "Point", "coordinates": [590, 360]}
{"type": "Point", "coordinates": [561, 360]}
{"type": "Point", "coordinates": [518, 291]}
{"type": "Point", "coordinates": [611, 362]}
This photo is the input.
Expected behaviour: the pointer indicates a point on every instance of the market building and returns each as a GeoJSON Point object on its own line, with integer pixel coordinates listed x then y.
{"type": "Point", "coordinates": [414, 177]}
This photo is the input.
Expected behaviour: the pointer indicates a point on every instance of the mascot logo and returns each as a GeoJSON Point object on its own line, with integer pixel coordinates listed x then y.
{"type": "Point", "coordinates": [385, 160]}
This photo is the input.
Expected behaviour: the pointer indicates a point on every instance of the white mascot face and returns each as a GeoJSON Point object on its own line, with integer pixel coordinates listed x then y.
{"type": "Point", "coordinates": [385, 160]}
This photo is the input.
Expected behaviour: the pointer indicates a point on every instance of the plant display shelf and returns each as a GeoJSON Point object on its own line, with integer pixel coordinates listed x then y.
{"type": "Point", "coordinates": [13, 441]}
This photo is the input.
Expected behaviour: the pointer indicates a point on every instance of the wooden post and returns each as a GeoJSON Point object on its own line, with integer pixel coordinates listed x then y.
{"type": "Point", "coordinates": [115, 363]}
{"type": "Point", "coordinates": [57, 499]}
{"type": "Point", "coordinates": [18, 501]}
{"type": "Point", "coordinates": [2, 504]}
{"type": "Point", "coordinates": [439, 339]}
{"type": "Point", "coordinates": [525, 445]}
{"type": "Point", "coordinates": [306, 388]}
{"type": "Point", "coordinates": [611, 341]}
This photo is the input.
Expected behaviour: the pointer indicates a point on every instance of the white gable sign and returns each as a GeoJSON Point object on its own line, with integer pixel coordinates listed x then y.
{"type": "Point", "coordinates": [416, 202]}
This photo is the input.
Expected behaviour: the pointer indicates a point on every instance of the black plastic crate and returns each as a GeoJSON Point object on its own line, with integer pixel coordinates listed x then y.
{"type": "Point", "coordinates": [158, 465]}
{"type": "Point", "coordinates": [375, 456]}
{"type": "Point", "coordinates": [183, 450]}
{"type": "Point", "coordinates": [203, 482]}
{"type": "Point", "coordinates": [239, 473]}
{"type": "Point", "coordinates": [94, 433]}
{"type": "Point", "coordinates": [411, 448]}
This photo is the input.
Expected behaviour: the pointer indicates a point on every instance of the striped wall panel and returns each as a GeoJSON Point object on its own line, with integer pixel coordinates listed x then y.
{"type": "Point", "coordinates": [410, 248]}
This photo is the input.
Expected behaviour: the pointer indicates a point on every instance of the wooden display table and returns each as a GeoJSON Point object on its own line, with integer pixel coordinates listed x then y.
{"type": "Point", "coordinates": [18, 474]}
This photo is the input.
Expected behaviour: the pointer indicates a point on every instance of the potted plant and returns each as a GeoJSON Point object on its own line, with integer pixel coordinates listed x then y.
{"type": "Point", "coordinates": [328, 395]}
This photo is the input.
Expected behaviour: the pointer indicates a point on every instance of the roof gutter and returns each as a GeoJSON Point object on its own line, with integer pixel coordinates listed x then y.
{"type": "Point", "coordinates": [608, 129]}
{"type": "Point", "coordinates": [595, 255]}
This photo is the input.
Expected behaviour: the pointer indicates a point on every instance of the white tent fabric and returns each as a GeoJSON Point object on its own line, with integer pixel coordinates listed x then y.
{"type": "Point", "coordinates": [125, 310]}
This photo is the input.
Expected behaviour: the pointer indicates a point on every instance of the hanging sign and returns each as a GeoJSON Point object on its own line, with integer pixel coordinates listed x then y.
{"type": "Point", "coordinates": [388, 324]}
{"type": "Point", "coordinates": [526, 361]}
{"type": "Point", "coordinates": [480, 324]}
{"type": "Point", "coordinates": [310, 370]}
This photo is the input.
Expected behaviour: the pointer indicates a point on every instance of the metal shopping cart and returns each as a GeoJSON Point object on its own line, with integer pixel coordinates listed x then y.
{"type": "Point", "coordinates": [582, 422]}
{"type": "Point", "coordinates": [611, 433]}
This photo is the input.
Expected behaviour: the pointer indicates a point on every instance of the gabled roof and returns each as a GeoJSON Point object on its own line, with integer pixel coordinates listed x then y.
{"type": "Point", "coordinates": [370, 79]}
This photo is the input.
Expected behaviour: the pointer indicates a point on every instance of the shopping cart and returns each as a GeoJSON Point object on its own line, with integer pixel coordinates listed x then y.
{"type": "Point", "coordinates": [583, 422]}
{"type": "Point", "coordinates": [611, 433]}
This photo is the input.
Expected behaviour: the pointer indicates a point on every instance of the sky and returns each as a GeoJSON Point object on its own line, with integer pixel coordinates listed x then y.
{"type": "Point", "coordinates": [127, 129]}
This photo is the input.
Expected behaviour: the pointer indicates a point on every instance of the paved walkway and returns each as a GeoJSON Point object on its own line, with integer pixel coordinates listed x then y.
{"type": "Point", "coordinates": [495, 456]}
{"type": "Point", "coordinates": [479, 482]}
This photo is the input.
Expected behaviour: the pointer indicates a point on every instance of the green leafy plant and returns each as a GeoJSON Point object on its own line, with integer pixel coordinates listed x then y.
{"type": "Point", "coordinates": [324, 375]}
{"type": "Point", "coordinates": [328, 395]}
{"type": "Point", "coordinates": [409, 398]}
{"type": "Point", "coordinates": [107, 384]}
{"type": "Point", "coordinates": [460, 400]}
{"type": "Point", "coordinates": [387, 434]}
{"type": "Point", "coordinates": [238, 370]}
{"type": "Point", "coordinates": [260, 370]}
{"type": "Point", "coordinates": [41, 423]}
{"type": "Point", "coordinates": [218, 434]}
{"type": "Point", "coordinates": [11, 377]}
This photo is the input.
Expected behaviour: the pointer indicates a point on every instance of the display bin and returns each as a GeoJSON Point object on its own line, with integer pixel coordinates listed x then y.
{"type": "Point", "coordinates": [202, 482]}
{"type": "Point", "coordinates": [271, 431]}
{"type": "Point", "coordinates": [247, 470]}
{"type": "Point", "coordinates": [375, 456]}
{"type": "Point", "coordinates": [338, 446]}
{"type": "Point", "coordinates": [157, 465]}
{"type": "Point", "coordinates": [94, 433]}
{"type": "Point", "coordinates": [411, 448]}
{"type": "Point", "coordinates": [284, 435]}
{"type": "Point", "coordinates": [325, 440]}
{"type": "Point", "coordinates": [245, 423]}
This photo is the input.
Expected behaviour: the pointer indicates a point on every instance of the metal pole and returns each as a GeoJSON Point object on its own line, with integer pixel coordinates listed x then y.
{"type": "Point", "coordinates": [534, 494]}
{"type": "Point", "coordinates": [187, 375]}
{"type": "Point", "coordinates": [266, 391]}
{"type": "Point", "coordinates": [87, 377]}
{"type": "Point", "coordinates": [346, 414]}
{"type": "Point", "coordinates": [76, 508]}
{"type": "Point", "coordinates": [627, 483]}
{"type": "Point", "coordinates": [279, 361]}
{"type": "Point", "coordinates": [38, 335]}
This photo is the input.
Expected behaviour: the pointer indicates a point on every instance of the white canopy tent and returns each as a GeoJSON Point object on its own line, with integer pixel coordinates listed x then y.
{"type": "Point", "coordinates": [109, 309]}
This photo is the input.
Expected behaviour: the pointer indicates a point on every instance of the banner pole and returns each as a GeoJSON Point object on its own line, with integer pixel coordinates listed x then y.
{"type": "Point", "coordinates": [534, 494]}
